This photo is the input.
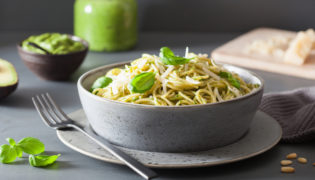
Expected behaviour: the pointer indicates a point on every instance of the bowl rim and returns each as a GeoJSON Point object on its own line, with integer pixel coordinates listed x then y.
{"type": "Point", "coordinates": [73, 37]}
{"type": "Point", "coordinates": [89, 94]}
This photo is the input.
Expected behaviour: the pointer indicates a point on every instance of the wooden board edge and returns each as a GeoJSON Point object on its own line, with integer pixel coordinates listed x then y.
{"type": "Point", "coordinates": [260, 65]}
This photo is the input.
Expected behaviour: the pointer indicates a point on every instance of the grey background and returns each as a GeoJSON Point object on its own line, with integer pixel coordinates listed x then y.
{"type": "Point", "coordinates": [176, 23]}
{"type": "Point", "coordinates": [168, 15]}
{"type": "Point", "coordinates": [19, 119]}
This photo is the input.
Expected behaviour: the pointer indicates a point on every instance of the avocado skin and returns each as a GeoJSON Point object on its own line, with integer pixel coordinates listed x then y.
{"type": "Point", "coordinates": [7, 90]}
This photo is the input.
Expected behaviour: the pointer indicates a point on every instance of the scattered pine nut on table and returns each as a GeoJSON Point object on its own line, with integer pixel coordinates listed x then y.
{"type": "Point", "coordinates": [287, 169]}
{"type": "Point", "coordinates": [292, 156]}
{"type": "Point", "coordinates": [285, 162]}
{"type": "Point", "coordinates": [302, 160]}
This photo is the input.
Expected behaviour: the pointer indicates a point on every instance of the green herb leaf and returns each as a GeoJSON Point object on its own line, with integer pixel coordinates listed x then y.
{"type": "Point", "coordinates": [19, 151]}
{"type": "Point", "coordinates": [142, 82]}
{"type": "Point", "coordinates": [7, 153]}
{"type": "Point", "coordinates": [168, 57]}
{"type": "Point", "coordinates": [42, 160]}
{"type": "Point", "coordinates": [31, 145]}
{"type": "Point", "coordinates": [231, 79]}
{"type": "Point", "coordinates": [101, 82]}
{"type": "Point", "coordinates": [11, 141]}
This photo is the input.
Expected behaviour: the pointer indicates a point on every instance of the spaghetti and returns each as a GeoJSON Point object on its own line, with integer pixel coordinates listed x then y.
{"type": "Point", "coordinates": [199, 81]}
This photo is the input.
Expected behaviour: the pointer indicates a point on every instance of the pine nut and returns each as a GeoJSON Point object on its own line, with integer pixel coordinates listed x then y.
{"type": "Point", "coordinates": [287, 169]}
{"type": "Point", "coordinates": [292, 156]}
{"type": "Point", "coordinates": [302, 160]}
{"type": "Point", "coordinates": [285, 162]}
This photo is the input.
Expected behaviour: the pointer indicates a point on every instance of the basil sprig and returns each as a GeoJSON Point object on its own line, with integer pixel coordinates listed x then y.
{"type": "Point", "coordinates": [234, 82]}
{"type": "Point", "coordinates": [28, 145]}
{"type": "Point", "coordinates": [142, 82]}
{"type": "Point", "coordinates": [168, 57]}
{"type": "Point", "coordinates": [101, 82]}
{"type": "Point", "coordinates": [9, 152]}
{"type": "Point", "coordinates": [42, 160]}
{"type": "Point", "coordinates": [31, 145]}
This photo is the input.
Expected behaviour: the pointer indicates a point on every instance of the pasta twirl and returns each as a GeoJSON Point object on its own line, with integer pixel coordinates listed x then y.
{"type": "Point", "coordinates": [199, 81]}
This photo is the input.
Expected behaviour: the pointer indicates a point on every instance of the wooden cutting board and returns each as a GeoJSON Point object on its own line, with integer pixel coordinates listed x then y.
{"type": "Point", "coordinates": [234, 52]}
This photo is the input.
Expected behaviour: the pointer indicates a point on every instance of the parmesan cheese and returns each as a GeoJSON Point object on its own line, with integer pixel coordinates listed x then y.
{"type": "Point", "coordinates": [289, 50]}
{"type": "Point", "coordinates": [213, 75]}
{"type": "Point", "coordinates": [300, 47]}
{"type": "Point", "coordinates": [274, 46]}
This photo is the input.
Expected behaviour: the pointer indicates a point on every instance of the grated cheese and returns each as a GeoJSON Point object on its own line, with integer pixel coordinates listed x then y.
{"type": "Point", "coordinates": [292, 51]}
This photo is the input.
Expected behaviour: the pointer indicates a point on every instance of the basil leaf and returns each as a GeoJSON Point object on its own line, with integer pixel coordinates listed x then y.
{"type": "Point", "coordinates": [168, 57]}
{"type": "Point", "coordinates": [142, 82]}
{"type": "Point", "coordinates": [42, 160]}
{"type": "Point", "coordinates": [11, 141]}
{"type": "Point", "coordinates": [18, 151]}
{"type": "Point", "coordinates": [7, 154]}
{"type": "Point", "coordinates": [101, 82]}
{"type": "Point", "coordinates": [31, 145]}
{"type": "Point", "coordinates": [231, 79]}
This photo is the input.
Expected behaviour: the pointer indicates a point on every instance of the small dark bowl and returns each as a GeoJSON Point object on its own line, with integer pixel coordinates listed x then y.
{"type": "Point", "coordinates": [55, 67]}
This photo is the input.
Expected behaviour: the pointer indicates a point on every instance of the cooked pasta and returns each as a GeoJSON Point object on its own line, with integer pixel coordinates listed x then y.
{"type": "Point", "coordinates": [199, 81]}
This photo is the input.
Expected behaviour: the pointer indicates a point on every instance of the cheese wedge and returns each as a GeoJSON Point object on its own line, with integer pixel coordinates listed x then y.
{"type": "Point", "coordinates": [300, 47]}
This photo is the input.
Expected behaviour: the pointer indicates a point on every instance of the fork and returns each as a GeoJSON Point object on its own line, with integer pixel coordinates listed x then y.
{"type": "Point", "coordinates": [54, 117]}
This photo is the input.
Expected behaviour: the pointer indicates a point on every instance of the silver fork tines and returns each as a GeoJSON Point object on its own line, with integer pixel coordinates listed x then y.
{"type": "Point", "coordinates": [54, 117]}
{"type": "Point", "coordinates": [49, 111]}
{"type": "Point", "coordinates": [39, 106]}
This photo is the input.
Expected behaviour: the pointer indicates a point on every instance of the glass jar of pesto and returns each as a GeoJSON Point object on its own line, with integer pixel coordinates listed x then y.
{"type": "Point", "coordinates": [108, 25]}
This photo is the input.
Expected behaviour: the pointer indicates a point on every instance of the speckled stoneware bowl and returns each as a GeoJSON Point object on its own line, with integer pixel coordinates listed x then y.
{"type": "Point", "coordinates": [169, 128]}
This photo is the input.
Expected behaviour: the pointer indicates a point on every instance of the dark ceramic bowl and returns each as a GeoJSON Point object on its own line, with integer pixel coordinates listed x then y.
{"type": "Point", "coordinates": [54, 67]}
{"type": "Point", "coordinates": [169, 128]}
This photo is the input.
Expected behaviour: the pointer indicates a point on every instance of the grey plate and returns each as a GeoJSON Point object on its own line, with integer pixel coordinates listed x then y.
{"type": "Point", "coordinates": [264, 133]}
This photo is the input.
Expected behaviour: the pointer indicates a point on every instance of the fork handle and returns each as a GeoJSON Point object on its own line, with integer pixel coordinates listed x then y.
{"type": "Point", "coordinates": [135, 165]}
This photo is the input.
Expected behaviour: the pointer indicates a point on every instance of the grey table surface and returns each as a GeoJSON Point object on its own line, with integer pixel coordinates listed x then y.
{"type": "Point", "coordinates": [19, 119]}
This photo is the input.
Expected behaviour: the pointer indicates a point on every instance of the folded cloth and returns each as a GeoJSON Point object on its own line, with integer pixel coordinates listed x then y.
{"type": "Point", "coordinates": [295, 112]}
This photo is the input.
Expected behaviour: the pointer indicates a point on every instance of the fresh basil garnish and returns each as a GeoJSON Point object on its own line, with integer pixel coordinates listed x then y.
{"type": "Point", "coordinates": [168, 57]}
{"type": "Point", "coordinates": [31, 145]}
{"type": "Point", "coordinates": [101, 82]}
{"type": "Point", "coordinates": [7, 154]}
{"type": "Point", "coordinates": [234, 82]}
{"type": "Point", "coordinates": [42, 160]}
{"type": "Point", "coordinates": [18, 150]}
{"type": "Point", "coordinates": [142, 82]}
{"type": "Point", "coordinates": [11, 141]}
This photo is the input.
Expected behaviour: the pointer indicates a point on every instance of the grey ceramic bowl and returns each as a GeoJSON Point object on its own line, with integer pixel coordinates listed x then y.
{"type": "Point", "coordinates": [169, 128]}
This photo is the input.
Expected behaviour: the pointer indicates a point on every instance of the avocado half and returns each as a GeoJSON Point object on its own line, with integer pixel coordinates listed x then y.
{"type": "Point", "coordinates": [8, 78]}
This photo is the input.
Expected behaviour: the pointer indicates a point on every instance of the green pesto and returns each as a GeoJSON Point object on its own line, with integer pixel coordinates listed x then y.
{"type": "Point", "coordinates": [55, 43]}
{"type": "Point", "coordinates": [108, 25]}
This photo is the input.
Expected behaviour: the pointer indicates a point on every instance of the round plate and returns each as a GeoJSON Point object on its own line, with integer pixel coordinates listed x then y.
{"type": "Point", "coordinates": [264, 133]}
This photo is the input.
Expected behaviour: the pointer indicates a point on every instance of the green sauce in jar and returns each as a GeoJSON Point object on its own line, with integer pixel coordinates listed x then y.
{"type": "Point", "coordinates": [55, 43]}
{"type": "Point", "coordinates": [108, 25]}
